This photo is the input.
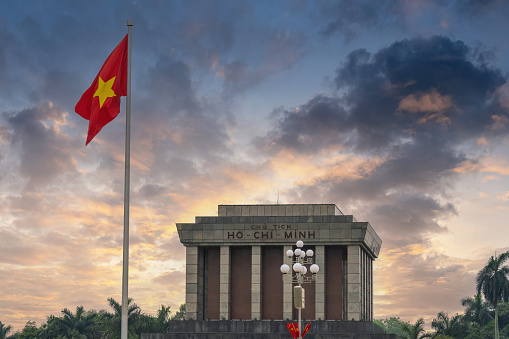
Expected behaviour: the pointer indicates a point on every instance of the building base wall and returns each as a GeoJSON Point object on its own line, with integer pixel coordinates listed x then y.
{"type": "Point", "coordinates": [269, 329]}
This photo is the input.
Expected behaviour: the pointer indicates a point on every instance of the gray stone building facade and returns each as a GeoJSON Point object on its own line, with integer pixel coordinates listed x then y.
{"type": "Point", "coordinates": [233, 260]}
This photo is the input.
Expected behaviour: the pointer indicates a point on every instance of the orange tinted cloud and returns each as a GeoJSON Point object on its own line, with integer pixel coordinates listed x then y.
{"type": "Point", "coordinates": [432, 104]}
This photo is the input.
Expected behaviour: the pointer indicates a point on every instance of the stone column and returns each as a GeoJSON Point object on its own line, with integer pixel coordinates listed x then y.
{"type": "Point", "coordinates": [320, 283]}
{"type": "Point", "coordinates": [370, 281]}
{"type": "Point", "coordinates": [200, 304]}
{"type": "Point", "coordinates": [191, 282]}
{"type": "Point", "coordinates": [224, 283]}
{"type": "Point", "coordinates": [354, 282]}
{"type": "Point", "coordinates": [256, 292]}
{"type": "Point", "coordinates": [365, 293]}
{"type": "Point", "coordinates": [287, 287]}
{"type": "Point", "coordinates": [363, 287]}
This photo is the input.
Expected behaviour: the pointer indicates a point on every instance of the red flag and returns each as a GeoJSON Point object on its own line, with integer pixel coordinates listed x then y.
{"type": "Point", "coordinates": [306, 329]}
{"type": "Point", "coordinates": [101, 101]}
{"type": "Point", "coordinates": [294, 330]}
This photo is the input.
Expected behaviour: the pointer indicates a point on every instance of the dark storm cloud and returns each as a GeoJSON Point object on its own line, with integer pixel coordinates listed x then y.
{"type": "Point", "coordinates": [437, 69]}
{"type": "Point", "coordinates": [413, 104]}
{"type": "Point", "coordinates": [420, 167]}
{"type": "Point", "coordinates": [320, 122]}
{"type": "Point", "coordinates": [415, 214]}
{"type": "Point", "coordinates": [44, 152]}
{"type": "Point", "coordinates": [410, 92]}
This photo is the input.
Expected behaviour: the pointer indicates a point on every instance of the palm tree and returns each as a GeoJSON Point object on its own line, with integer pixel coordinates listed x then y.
{"type": "Point", "coordinates": [114, 320]}
{"type": "Point", "coordinates": [452, 327]}
{"type": "Point", "coordinates": [81, 324]}
{"type": "Point", "coordinates": [493, 282]}
{"type": "Point", "coordinates": [476, 310]}
{"type": "Point", "coordinates": [163, 319]}
{"type": "Point", "coordinates": [53, 328]}
{"type": "Point", "coordinates": [415, 331]}
{"type": "Point", "coordinates": [4, 330]}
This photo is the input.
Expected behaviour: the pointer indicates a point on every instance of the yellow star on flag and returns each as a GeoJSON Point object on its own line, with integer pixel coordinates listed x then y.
{"type": "Point", "coordinates": [104, 90]}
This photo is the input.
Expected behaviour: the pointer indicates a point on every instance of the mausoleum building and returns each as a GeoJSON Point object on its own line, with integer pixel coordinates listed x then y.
{"type": "Point", "coordinates": [233, 263]}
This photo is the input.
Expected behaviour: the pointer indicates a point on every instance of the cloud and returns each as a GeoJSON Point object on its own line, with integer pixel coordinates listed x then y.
{"type": "Point", "coordinates": [424, 282]}
{"type": "Point", "coordinates": [410, 108]}
{"type": "Point", "coordinates": [386, 145]}
{"type": "Point", "coordinates": [432, 104]}
{"type": "Point", "coordinates": [409, 218]}
{"type": "Point", "coordinates": [351, 19]}
{"type": "Point", "coordinates": [171, 278]}
{"type": "Point", "coordinates": [504, 196]}
{"type": "Point", "coordinates": [418, 156]}
{"type": "Point", "coordinates": [476, 8]}
{"type": "Point", "coordinates": [320, 123]}
{"type": "Point", "coordinates": [45, 152]}
{"type": "Point", "coordinates": [446, 95]}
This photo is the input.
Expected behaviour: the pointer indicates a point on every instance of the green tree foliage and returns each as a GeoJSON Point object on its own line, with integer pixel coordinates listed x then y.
{"type": "Point", "coordinates": [158, 324]}
{"type": "Point", "coordinates": [81, 324]}
{"type": "Point", "coordinates": [503, 315]}
{"type": "Point", "coordinates": [181, 313]}
{"type": "Point", "coordinates": [4, 330]}
{"type": "Point", "coordinates": [493, 282]}
{"type": "Point", "coordinates": [453, 327]}
{"type": "Point", "coordinates": [84, 324]}
{"type": "Point", "coordinates": [476, 310]}
{"type": "Point", "coordinates": [52, 328]}
{"type": "Point", "coordinates": [163, 319]}
{"type": "Point", "coordinates": [114, 320]}
{"type": "Point", "coordinates": [416, 330]}
{"type": "Point", "coordinates": [392, 325]}
{"type": "Point", "coordinates": [30, 331]}
{"type": "Point", "coordinates": [482, 332]}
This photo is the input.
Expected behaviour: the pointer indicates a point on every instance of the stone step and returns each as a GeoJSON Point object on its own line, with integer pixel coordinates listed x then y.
{"type": "Point", "coordinates": [263, 336]}
{"type": "Point", "coordinates": [269, 329]}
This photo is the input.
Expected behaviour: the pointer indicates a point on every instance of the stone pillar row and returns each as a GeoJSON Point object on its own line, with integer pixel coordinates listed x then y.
{"type": "Point", "coordinates": [359, 280]}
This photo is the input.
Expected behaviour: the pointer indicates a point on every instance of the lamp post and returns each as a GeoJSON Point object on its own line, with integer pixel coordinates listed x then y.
{"type": "Point", "coordinates": [299, 260]}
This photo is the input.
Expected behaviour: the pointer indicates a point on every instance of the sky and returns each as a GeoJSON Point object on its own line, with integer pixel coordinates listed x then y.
{"type": "Point", "coordinates": [395, 111]}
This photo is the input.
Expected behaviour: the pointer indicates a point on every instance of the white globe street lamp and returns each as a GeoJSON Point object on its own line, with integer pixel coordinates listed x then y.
{"type": "Point", "coordinates": [297, 267]}
{"type": "Point", "coordinates": [299, 260]}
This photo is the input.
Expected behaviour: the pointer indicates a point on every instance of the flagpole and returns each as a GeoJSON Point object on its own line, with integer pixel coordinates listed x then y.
{"type": "Point", "coordinates": [125, 268]}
